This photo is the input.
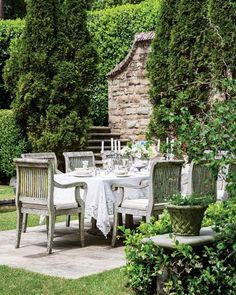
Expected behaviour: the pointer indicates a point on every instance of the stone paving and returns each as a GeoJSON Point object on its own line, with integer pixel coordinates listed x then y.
{"type": "Point", "coordinates": [68, 259]}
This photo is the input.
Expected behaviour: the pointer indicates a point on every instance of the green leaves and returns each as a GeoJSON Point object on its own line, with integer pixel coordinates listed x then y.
{"type": "Point", "coordinates": [50, 72]}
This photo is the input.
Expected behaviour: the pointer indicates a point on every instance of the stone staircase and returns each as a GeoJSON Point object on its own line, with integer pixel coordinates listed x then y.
{"type": "Point", "coordinates": [99, 134]}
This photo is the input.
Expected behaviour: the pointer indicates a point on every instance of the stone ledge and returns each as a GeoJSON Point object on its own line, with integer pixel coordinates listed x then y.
{"type": "Point", "coordinates": [206, 237]}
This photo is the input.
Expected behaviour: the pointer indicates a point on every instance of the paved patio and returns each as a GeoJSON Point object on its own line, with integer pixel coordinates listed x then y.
{"type": "Point", "coordinates": [68, 259]}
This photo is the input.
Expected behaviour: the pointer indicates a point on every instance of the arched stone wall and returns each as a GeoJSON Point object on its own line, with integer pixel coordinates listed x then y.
{"type": "Point", "coordinates": [129, 105]}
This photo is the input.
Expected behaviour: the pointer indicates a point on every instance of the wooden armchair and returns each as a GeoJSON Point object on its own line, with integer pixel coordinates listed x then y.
{"type": "Point", "coordinates": [46, 156]}
{"type": "Point", "coordinates": [34, 195]}
{"type": "Point", "coordinates": [165, 180]}
{"type": "Point", "coordinates": [204, 181]}
{"type": "Point", "coordinates": [75, 160]}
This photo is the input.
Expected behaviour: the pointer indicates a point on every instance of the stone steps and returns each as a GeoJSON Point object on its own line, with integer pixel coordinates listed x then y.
{"type": "Point", "coordinates": [99, 134]}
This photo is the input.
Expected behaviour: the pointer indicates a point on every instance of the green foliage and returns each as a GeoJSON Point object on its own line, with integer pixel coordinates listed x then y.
{"type": "Point", "coordinates": [11, 143]}
{"type": "Point", "coordinates": [113, 31]}
{"type": "Point", "coordinates": [14, 9]}
{"type": "Point", "coordinates": [210, 270]}
{"type": "Point", "coordinates": [50, 72]}
{"type": "Point", "coordinates": [144, 260]}
{"type": "Point", "coordinates": [196, 58]}
{"type": "Point", "coordinates": [192, 200]}
{"type": "Point", "coordinates": [102, 4]}
{"type": "Point", "coordinates": [9, 30]}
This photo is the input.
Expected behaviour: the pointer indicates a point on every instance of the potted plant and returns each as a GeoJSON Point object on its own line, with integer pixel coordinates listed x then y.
{"type": "Point", "coordinates": [187, 212]}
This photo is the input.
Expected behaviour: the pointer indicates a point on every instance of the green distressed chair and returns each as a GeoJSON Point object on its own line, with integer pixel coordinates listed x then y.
{"type": "Point", "coordinates": [75, 160]}
{"type": "Point", "coordinates": [35, 195]}
{"type": "Point", "coordinates": [46, 156]}
{"type": "Point", "coordinates": [204, 181]}
{"type": "Point", "coordinates": [165, 180]}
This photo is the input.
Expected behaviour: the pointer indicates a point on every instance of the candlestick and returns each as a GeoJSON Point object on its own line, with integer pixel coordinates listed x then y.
{"type": "Point", "coordinates": [119, 146]}
{"type": "Point", "coordinates": [102, 147]}
{"type": "Point", "coordinates": [112, 143]}
{"type": "Point", "coordinates": [167, 144]}
{"type": "Point", "coordinates": [158, 145]}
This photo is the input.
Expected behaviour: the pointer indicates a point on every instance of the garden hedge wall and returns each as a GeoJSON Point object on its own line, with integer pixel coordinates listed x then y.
{"type": "Point", "coordinates": [9, 29]}
{"type": "Point", "coordinates": [11, 143]}
{"type": "Point", "coordinates": [112, 31]}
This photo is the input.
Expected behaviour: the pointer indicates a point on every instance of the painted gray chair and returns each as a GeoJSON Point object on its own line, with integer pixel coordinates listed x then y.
{"type": "Point", "coordinates": [204, 181]}
{"type": "Point", "coordinates": [165, 180]}
{"type": "Point", "coordinates": [46, 156]}
{"type": "Point", "coordinates": [34, 195]}
{"type": "Point", "coordinates": [75, 160]}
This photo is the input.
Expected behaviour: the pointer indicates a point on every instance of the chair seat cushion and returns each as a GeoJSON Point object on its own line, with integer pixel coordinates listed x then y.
{"type": "Point", "coordinates": [136, 204]}
{"type": "Point", "coordinates": [66, 206]}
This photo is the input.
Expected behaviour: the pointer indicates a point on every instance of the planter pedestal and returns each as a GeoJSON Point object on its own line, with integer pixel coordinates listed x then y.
{"type": "Point", "coordinates": [165, 241]}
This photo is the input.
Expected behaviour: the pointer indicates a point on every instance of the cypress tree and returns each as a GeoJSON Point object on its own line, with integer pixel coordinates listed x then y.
{"type": "Point", "coordinates": [181, 75]}
{"type": "Point", "coordinates": [158, 63]}
{"type": "Point", "coordinates": [190, 73]}
{"type": "Point", "coordinates": [53, 75]}
{"type": "Point", "coordinates": [222, 16]}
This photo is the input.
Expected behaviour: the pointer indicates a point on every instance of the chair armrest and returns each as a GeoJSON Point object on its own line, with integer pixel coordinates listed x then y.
{"type": "Point", "coordinates": [82, 185]}
{"type": "Point", "coordinates": [143, 184]}
{"type": "Point", "coordinates": [59, 171]}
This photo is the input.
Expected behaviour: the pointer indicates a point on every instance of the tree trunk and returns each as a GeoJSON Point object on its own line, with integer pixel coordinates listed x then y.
{"type": "Point", "coordinates": [1, 9]}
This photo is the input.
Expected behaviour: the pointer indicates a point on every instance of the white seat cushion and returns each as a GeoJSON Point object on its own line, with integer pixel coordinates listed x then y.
{"type": "Point", "coordinates": [65, 206]}
{"type": "Point", "coordinates": [136, 204]}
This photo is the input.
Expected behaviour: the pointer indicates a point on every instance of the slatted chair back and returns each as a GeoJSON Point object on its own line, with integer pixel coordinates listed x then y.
{"type": "Point", "coordinates": [34, 182]}
{"type": "Point", "coordinates": [75, 160]}
{"type": "Point", "coordinates": [47, 156]}
{"type": "Point", "coordinates": [165, 180]}
{"type": "Point", "coordinates": [204, 181]}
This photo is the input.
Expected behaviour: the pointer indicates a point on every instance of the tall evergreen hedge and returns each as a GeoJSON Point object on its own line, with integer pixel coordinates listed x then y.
{"type": "Point", "coordinates": [9, 30]}
{"type": "Point", "coordinates": [50, 72]}
{"type": "Point", "coordinates": [187, 71]}
{"type": "Point", "coordinates": [113, 31]}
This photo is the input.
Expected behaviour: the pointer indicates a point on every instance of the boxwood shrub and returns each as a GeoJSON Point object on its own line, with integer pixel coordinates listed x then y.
{"type": "Point", "coordinates": [11, 143]}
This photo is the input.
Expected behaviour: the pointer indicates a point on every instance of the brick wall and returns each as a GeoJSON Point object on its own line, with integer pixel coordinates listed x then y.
{"type": "Point", "coordinates": [128, 86]}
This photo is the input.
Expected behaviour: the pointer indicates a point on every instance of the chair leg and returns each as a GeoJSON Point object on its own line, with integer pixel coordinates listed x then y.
{"type": "Point", "coordinates": [81, 229]}
{"type": "Point", "coordinates": [120, 219]}
{"type": "Point", "coordinates": [19, 227]}
{"type": "Point", "coordinates": [25, 221]}
{"type": "Point", "coordinates": [47, 224]}
{"type": "Point", "coordinates": [129, 221]}
{"type": "Point", "coordinates": [51, 228]}
{"type": "Point", "coordinates": [68, 220]}
{"type": "Point", "coordinates": [115, 226]}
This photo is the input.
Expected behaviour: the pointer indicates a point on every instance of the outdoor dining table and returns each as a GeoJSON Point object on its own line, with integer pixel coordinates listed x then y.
{"type": "Point", "coordinates": [99, 196]}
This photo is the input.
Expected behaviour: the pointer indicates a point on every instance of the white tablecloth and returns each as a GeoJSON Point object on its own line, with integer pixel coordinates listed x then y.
{"type": "Point", "coordinates": [99, 194]}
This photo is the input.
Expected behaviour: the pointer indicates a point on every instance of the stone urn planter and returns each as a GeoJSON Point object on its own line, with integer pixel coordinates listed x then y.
{"type": "Point", "coordinates": [186, 220]}
{"type": "Point", "coordinates": [187, 212]}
